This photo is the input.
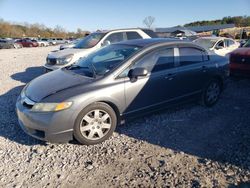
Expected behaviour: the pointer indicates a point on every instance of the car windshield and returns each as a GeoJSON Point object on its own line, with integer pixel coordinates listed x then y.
{"type": "Point", "coordinates": [89, 41]}
{"type": "Point", "coordinates": [104, 60]}
{"type": "Point", "coordinates": [247, 44]}
{"type": "Point", "coordinates": [206, 43]}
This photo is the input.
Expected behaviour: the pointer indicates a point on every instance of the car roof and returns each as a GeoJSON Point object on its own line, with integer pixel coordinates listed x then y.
{"type": "Point", "coordinates": [211, 38]}
{"type": "Point", "coordinates": [154, 41]}
{"type": "Point", "coordinates": [123, 29]}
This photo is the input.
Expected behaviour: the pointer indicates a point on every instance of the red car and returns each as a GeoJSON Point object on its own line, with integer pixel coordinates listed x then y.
{"type": "Point", "coordinates": [240, 61]}
{"type": "Point", "coordinates": [27, 43]}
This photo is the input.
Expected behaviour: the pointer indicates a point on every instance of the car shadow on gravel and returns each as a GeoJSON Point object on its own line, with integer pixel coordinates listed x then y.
{"type": "Point", "coordinates": [220, 133]}
{"type": "Point", "coordinates": [28, 75]}
{"type": "Point", "coordinates": [9, 127]}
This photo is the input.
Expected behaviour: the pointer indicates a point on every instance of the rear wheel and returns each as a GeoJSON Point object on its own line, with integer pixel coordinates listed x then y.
{"type": "Point", "coordinates": [212, 93]}
{"type": "Point", "coordinates": [95, 124]}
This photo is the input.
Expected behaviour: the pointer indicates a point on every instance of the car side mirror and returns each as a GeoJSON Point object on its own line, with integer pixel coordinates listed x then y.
{"type": "Point", "coordinates": [106, 43]}
{"type": "Point", "coordinates": [133, 74]}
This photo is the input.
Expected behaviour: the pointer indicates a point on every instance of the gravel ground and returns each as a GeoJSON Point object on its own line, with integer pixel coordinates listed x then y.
{"type": "Point", "coordinates": [187, 146]}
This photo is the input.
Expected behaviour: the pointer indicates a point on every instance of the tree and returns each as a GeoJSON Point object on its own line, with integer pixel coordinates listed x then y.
{"type": "Point", "coordinates": [81, 33]}
{"type": "Point", "coordinates": [148, 21]}
{"type": "Point", "coordinates": [239, 21]}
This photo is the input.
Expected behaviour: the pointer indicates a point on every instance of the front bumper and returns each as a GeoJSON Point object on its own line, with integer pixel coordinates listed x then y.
{"type": "Point", "coordinates": [54, 127]}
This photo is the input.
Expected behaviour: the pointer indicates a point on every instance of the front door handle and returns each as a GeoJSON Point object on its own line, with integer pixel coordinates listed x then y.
{"type": "Point", "coordinates": [204, 68]}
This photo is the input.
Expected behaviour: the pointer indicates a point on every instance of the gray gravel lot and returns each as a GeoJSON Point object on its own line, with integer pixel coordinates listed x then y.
{"type": "Point", "coordinates": [185, 146]}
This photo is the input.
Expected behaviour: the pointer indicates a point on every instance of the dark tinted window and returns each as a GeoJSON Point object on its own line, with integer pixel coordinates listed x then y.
{"type": "Point", "coordinates": [133, 35]}
{"type": "Point", "coordinates": [221, 44]}
{"type": "Point", "coordinates": [229, 42]}
{"type": "Point", "coordinates": [115, 37]}
{"type": "Point", "coordinates": [157, 61]}
{"type": "Point", "coordinates": [190, 56]}
{"type": "Point", "coordinates": [150, 33]}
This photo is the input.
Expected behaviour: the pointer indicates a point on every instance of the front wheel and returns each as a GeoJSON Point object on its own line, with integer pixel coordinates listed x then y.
{"type": "Point", "coordinates": [211, 93]}
{"type": "Point", "coordinates": [95, 124]}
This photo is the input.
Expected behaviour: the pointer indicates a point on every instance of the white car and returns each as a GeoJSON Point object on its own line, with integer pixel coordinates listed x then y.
{"type": "Point", "coordinates": [41, 43]}
{"type": "Point", "coordinates": [220, 45]}
{"type": "Point", "coordinates": [62, 58]}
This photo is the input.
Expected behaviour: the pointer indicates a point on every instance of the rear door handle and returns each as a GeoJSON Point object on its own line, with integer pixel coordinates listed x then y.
{"type": "Point", "coordinates": [169, 76]}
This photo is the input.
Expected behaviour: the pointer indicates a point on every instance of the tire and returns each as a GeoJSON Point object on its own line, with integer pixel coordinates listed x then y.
{"type": "Point", "coordinates": [30, 45]}
{"type": "Point", "coordinates": [211, 94]}
{"type": "Point", "coordinates": [90, 129]}
{"type": "Point", "coordinates": [42, 45]}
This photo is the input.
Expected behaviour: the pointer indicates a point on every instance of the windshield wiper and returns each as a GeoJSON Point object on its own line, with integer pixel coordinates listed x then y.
{"type": "Point", "coordinates": [73, 66]}
{"type": "Point", "coordinates": [91, 68]}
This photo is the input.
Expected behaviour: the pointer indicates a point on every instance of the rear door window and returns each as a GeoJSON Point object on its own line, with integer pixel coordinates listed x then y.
{"type": "Point", "coordinates": [229, 42]}
{"type": "Point", "coordinates": [189, 56]}
{"type": "Point", "coordinates": [159, 60]}
{"type": "Point", "coordinates": [115, 37]}
{"type": "Point", "coordinates": [133, 35]}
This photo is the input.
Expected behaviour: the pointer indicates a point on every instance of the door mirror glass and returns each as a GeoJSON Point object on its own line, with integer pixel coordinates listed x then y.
{"type": "Point", "coordinates": [133, 74]}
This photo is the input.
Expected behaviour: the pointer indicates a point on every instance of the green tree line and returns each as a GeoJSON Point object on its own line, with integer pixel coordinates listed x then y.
{"type": "Point", "coordinates": [239, 21]}
{"type": "Point", "coordinates": [8, 29]}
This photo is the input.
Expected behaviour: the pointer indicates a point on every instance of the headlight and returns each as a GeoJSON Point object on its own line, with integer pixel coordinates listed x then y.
{"type": "Point", "coordinates": [23, 91]}
{"type": "Point", "coordinates": [64, 60]}
{"type": "Point", "coordinates": [50, 107]}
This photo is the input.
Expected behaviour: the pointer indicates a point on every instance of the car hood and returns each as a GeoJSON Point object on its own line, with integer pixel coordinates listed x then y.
{"type": "Point", "coordinates": [68, 51]}
{"type": "Point", "coordinates": [241, 51]}
{"type": "Point", "coordinates": [69, 45]}
{"type": "Point", "coordinates": [53, 82]}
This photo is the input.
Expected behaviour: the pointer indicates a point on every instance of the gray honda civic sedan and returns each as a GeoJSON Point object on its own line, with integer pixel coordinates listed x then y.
{"type": "Point", "coordinates": [88, 99]}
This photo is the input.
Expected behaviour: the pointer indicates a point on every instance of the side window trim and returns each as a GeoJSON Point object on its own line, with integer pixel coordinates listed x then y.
{"type": "Point", "coordinates": [176, 57]}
